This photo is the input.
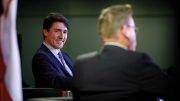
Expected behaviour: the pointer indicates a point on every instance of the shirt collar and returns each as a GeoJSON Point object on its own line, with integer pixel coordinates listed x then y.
{"type": "Point", "coordinates": [116, 44]}
{"type": "Point", "coordinates": [53, 50]}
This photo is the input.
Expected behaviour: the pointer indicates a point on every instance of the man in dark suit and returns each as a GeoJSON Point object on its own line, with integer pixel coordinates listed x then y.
{"type": "Point", "coordinates": [117, 72]}
{"type": "Point", "coordinates": [50, 65]}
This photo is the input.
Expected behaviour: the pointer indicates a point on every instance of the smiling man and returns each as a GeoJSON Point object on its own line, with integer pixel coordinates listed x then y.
{"type": "Point", "coordinates": [50, 65]}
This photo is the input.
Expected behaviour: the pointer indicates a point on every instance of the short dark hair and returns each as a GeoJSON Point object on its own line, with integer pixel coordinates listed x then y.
{"type": "Point", "coordinates": [54, 17]}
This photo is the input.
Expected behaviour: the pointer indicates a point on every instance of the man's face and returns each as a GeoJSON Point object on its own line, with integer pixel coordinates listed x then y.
{"type": "Point", "coordinates": [57, 35]}
{"type": "Point", "coordinates": [131, 34]}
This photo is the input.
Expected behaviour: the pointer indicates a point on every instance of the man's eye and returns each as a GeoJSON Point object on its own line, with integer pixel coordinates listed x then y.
{"type": "Point", "coordinates": [65, 31]}
{"type": "Point", "coordinates": [61, 31]}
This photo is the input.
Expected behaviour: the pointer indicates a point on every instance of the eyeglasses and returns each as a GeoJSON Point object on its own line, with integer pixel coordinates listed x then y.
{"type": "Point", "coordinates": [134, 27]}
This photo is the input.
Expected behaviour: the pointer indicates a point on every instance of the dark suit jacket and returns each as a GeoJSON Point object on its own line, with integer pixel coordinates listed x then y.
{"type": "Point", "coordinates": [48, 71]}
{"type": "Point", "coordinates": [115, 74]}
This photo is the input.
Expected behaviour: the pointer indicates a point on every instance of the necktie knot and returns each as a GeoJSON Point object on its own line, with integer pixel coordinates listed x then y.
{"type": "Point", "coordinates": [60, 55]}
{"type": "Point", "coordinates": [61, 58]}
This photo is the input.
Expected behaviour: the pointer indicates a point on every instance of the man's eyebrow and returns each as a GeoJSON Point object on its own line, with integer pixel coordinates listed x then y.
{"type": "Point", "coordinates": [60, 29]}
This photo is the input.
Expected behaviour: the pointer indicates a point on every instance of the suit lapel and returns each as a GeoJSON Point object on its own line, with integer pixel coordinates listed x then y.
{"type": "Point", "coordinates": [67, 60]}
{"type": "Point", "coordinates": [55, 61]}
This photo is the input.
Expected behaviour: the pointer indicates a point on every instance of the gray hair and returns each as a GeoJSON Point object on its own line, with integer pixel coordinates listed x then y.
{"type": "Point", "coordinates": [111, 18]}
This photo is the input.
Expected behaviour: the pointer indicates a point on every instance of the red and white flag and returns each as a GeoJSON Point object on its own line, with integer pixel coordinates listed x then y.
{"type": "Point", "coordinates": [10, 68]}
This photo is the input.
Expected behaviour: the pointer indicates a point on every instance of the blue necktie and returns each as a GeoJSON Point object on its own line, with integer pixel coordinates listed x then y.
{"type": "Point", "coordinates": [64, 63]}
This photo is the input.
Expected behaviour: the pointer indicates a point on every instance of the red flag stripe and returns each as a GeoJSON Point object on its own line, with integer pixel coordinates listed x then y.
{"type": "Point", "coordinates": [4, 95]}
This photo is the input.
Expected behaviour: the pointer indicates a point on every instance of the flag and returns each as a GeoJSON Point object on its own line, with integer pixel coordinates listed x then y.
{"type": "Point", "coordinates": [10, 68]}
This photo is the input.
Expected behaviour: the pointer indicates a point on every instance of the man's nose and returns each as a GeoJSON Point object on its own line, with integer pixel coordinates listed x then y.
{"type": "Point", "coordinates": [61, 34]}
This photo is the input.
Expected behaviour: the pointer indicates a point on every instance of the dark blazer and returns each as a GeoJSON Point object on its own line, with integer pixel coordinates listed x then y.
{"type": "Point", "coordinates": [48, 71]}
{"type": "Point", "coordinates": [115, 74]}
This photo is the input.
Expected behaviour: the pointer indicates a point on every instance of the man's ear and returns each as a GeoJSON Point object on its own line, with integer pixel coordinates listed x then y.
{"type": "Point", "coordinates": [45, 32]}
{"type": "Point", "coordinates": [123, 29]}
{"type": "Point", "coordinates": [124, 32]}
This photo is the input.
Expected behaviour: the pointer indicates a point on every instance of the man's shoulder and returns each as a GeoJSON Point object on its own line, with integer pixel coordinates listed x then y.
{"type": "Point", "coordinates": [138, 54]}
{"type": "Point", "coordinates": [87, 55]}
{"type": "Point", "coordinates": [42, 52]}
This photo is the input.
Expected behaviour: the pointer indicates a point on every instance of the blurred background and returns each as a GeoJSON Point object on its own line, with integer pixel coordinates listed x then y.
{"type": "Point", "coordinates": [155, 19]}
